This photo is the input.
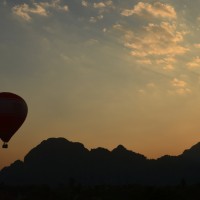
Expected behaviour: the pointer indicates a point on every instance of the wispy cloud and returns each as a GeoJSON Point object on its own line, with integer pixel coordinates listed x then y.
{"type": "Point", "coordinates": [156, 9]}
{"type": "Point", "coordinates": [151, 85]}
{"type": "Point", "coordinates": [154, 39]}
{"type": "Point", "coordinates": [144, 61]}
{"type": "Point", "coordinates": [84, 3]}
{"type": "Point", "coordinates": [195, 63]}
{"type": "Point", "coordinates": [95, 19]}
{"type": "Point", "coordinates": [99, 5]}
{"type": "Point", "coordinates": [178, 83]}
{"type": "Point", "coordinates": [25, 11]}
{"type": "Point", "coordinates": [180, 87]}
{"type": "Point", "coordinates": [197, 45]}
{"type": "Point", "coordinates": [103, 4]}
{"type": "Point", "coordinates": [167, 62]}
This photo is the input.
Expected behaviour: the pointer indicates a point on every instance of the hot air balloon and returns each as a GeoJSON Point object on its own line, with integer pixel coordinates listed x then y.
{"type": "Point", "coordinates": [13, 112]}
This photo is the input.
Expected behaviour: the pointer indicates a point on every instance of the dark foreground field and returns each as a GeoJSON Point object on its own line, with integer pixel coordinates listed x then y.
{"type": "Point", "coordinates": [103, 192]}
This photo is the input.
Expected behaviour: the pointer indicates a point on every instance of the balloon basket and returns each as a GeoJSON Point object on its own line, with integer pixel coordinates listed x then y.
{"type": "Point", "coordinates": [5, 146]}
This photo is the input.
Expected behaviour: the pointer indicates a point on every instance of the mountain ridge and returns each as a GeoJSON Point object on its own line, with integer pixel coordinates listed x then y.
{"type": "Point", "coordinates": [58, 160]}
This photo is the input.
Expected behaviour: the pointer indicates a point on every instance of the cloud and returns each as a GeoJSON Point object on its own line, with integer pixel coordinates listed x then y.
{"type": "Point", "coordinates": [151, 85]}
{"type": "Point", "coordinates": [100, 17]}
{"type": "Point", "coordinates": [25, 11]}
{"type": "Point", "coordinates": [180, 87]}
{"type": "Point", "coordinates": [178, 83]}
{"type": "Point", "coordinates": [91, 42]}
{"type": "Point", "coordinates": [183, 91]}
{"type": "Point", "coordinates": [195, 63]}
{"type": "Point", "coordinates": [109, 3]}
{"type": "Point", "coordinates": [180, 91]}
{"type": "Point", "coordinates": [153, 40]}
{"type": "Point", "coordinates": [167, 62]}
{"type": "Point", "coordinates": [168, 67]}
{"type": "Point", "coordinates": [197, 45]}
{"type": "Point", "coordinates": [118, 27]}
{"type": "Point", "coordinates": [103, 4]}
{"type": "Point", "coordinates": [159, 40]}
{"type": "Point", "coordinates": [156, 10]}
{"type": "Point", "coordinates": [97, 9]}
{"type": "Point", "coordinates": [141, 92]}
{"type": "Point", "coordinates": [144, 61]}
{"type": "Point", "coordinates": [84, 3]}
{"type": "Point", "coordinates": [104, 30]}
{"type": "Point", "coordinates": [99, 5]}
{"type": "Point", "coordinates": [95, 19]}
{"type": "Point", "coordinates": [55, 4]}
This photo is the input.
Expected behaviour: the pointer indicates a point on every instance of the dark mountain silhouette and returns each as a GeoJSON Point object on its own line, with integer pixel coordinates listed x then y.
{"type": "Point", "coordinates": [59, 161]}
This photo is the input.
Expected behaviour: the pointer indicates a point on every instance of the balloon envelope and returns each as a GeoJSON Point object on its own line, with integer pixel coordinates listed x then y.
{"type": "Point", "coordinates": [13, 112]}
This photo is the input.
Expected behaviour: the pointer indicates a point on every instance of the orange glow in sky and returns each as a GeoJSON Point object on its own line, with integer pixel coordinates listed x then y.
{"type": "Point", "coordinates": [103, 73]}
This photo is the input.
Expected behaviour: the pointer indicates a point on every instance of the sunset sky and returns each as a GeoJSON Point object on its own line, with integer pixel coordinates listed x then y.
{"type": "Point", "coordinates": [103, 73]}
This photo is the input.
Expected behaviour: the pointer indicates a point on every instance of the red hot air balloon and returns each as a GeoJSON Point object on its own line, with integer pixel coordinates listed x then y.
{"type": "Point", "coordinates": [13, 112]}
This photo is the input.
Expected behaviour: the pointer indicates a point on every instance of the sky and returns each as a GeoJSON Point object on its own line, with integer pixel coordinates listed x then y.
{"type": "Point", "coordinates": [103, 73]}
